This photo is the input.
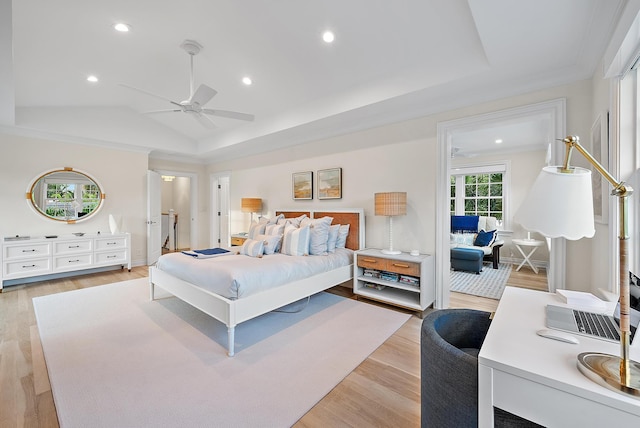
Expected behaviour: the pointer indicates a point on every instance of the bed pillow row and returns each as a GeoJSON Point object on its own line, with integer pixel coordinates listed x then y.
{"type": "Point", "coordinates": [300, 236]}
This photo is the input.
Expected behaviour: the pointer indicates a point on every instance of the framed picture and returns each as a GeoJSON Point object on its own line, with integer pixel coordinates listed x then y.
{"type": "Point", "coordinates": [302, 185]}
{"type": "Point", "coordinates": [330, 183]}
{"type": "Point", "coordinates": [600, 152]}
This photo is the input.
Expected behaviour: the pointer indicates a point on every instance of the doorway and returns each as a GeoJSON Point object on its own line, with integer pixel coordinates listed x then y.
{"type": "Point", "coordinates": [553, 114]}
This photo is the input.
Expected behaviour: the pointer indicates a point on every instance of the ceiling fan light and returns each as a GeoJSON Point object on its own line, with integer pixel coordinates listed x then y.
{"type": "Point", "coordinates": [328, 36]}
{"type": "Point", "coordinates": [92, 78]}
{"type": "Point", "coordinates": [247, 80]}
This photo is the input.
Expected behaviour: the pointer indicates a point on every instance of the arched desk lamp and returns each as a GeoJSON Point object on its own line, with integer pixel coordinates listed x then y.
{"type": "Point", "coordinates": [560, 205]}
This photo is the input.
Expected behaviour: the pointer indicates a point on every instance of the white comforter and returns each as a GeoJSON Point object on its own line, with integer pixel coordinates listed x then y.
{"type": "Point", "coordinates": [235, 276]}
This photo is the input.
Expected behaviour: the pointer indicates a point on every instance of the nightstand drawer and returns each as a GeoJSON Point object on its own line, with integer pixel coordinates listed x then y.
{"type": "Point", "coordinates": [404, 268]}
{"type": "Point", "coordinates": [373, 263]}
{"type": "Point", "coordinates": [235, 240]}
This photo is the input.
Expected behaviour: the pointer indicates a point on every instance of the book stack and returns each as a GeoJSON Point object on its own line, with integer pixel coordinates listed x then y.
{"type": "Point", "coordinates": [389, 276]}
{"type": "Point", "coordinates": [376, 286]}
{"type": "Point", "coordinates": [410, 280]}
{"type": "Point", "coordinates": [371, 273]}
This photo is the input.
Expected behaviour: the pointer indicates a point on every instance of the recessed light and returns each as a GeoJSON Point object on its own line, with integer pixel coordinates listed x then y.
{"type": "Point", "coordinates": [328, 36]}
{"type": "Point", "coordinates": [122, 27]}
{"type": "Point", "coordinates": [498, 141]}
{"type": "Point", "coordinates": [92, 78]}
{"type": "Point", "coordinates": [247, 80]}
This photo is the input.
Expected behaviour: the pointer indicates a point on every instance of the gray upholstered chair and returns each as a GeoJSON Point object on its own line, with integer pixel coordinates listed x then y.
{"type": "Point", "coordinates": [450, 343]}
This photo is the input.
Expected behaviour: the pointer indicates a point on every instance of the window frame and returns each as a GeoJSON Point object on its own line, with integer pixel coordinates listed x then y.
{"type": "Point", "coordinates": [463, 170]}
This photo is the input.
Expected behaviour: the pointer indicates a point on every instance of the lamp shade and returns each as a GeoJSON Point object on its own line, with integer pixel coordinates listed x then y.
{"type": "Point", "coordinates": [560, 204]}
{"type": "Point", "coordinates": [251, 205]}
{"type": "Point", "coordinates": [391, 203]}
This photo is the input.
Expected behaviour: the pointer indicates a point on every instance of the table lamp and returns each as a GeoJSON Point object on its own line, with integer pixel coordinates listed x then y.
{"type": "Point", "coordinates": [251, 205]}
{"type": "Point", "coordinates": [560, 205]}
{"type": "Point", "coordinates": [391, 204]}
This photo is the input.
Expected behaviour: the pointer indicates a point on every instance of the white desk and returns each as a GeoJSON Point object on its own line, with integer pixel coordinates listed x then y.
{"type": "Point", "coordinates": [537, 378]}
{"type": "Point", "coordinates": [533, 244]}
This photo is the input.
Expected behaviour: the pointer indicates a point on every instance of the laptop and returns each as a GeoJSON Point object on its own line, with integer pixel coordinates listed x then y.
{"type": "Point", "coordinates": [599, 326]}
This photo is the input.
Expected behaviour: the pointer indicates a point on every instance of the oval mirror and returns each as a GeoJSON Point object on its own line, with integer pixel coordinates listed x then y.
{"type": "Point", "coordinates": [65, 195]}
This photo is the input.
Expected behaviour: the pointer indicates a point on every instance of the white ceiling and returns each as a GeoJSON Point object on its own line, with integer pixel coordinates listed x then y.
{"type": "Point", "coordinates": [391, 61]}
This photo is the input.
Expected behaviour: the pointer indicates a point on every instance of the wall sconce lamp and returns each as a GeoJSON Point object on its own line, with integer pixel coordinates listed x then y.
{"type": "Point", "coordinates": [391, 204]}
{"type": "Point", "coordinates": [560, 205]}
{"type": "Point", "coordinates": [251, 205]}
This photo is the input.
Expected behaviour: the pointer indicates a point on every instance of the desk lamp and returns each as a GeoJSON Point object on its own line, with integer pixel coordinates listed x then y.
{"type": "Point", "coordinates": [560, 205]}
{"type": "Point", "coordinates": [391, 204]}
{"type": "Point", "coordinates": [251, 205]}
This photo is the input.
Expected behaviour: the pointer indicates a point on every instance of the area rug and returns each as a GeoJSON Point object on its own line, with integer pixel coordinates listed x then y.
{"type": "Point", "coordinates": [116, 359]}
{"type": "Point", "coordinates": [490, 283]}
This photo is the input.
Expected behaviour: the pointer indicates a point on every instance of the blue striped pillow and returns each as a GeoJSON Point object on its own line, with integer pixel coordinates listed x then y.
{"type": "Point", "coordinates": [295, 241]}
{"type": "Point", "coordinates": [252, 248]}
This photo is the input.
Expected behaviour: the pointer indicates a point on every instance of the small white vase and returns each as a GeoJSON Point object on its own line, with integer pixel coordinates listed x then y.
{"type": "Point", "coordinates": [114, 224]}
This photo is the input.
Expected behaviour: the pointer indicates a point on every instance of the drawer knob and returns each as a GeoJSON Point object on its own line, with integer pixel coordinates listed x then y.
{"type": "Point", "coordinates": [370, 260]}
{"type": "Point", "coordinates": [33, 250]}
{"type": "Point", "coordinates": [28, 266]}
{"type": "Point", "coordinates": [400, 265]}
{"type": "Point", "coordinates": [74, 246]}
{"type": "Point", "coordinates": [74, 261]}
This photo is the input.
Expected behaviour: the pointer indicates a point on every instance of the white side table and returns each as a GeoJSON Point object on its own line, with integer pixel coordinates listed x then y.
{"type": "Point", "coordinates": [533, 244]}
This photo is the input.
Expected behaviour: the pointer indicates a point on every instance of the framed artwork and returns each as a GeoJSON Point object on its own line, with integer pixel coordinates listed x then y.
{"type": "Point", "coordinates": [302, 185]}
{"type": "Point", "coordinates": [600, 152]}
{"type": "Point", "coordinates": [330, 183]}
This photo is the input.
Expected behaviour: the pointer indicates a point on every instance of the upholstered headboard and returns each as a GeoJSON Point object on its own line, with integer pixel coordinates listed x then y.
{"type": "Point", "coordinates": [353, 217]}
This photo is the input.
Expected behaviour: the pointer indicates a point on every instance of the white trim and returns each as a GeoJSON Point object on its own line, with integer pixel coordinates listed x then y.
{"type": "Point", "coordinates": [555, 110]}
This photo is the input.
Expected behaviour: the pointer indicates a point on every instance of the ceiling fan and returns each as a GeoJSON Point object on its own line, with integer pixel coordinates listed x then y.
{"type": "Point", "coordinates": [194, 105]}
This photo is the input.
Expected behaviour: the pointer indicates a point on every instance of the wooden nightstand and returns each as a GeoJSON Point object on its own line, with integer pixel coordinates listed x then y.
{"type": "Point", "coordinates": [238, 238]}
{"type": "Point", "coordinates": [401, 280]}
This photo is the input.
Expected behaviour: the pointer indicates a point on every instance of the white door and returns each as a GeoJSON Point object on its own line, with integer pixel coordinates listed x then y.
{"type": "Point", "coordinates": [220, 218]}
{"type": "Point", "coordinates": [154, 227]}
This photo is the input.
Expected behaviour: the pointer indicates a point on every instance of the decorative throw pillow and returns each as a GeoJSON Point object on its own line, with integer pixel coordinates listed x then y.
{"type": "Point", "coordinates": [468, 238]}
{"type": "Point", "coordinates": [296, 221]}
{"type": "Point", "coordinates": [252, 248]}
{"type": "Point", "coordinates": [256, 229]}
{"type": "Point", "coordinates": [274, 229]}
{"type": "Point", "coordinates": [343, 232]}
{"type": "Point", "coordinates": [332, 238]}
{"type": "Point", "coordinates": [271, 243]}
{"type": "Point", "coordinates": [319, 234]}
{"type": "Point", "coordinates": [295, 241]}
{"type": "Point", "coordinates": [485, 239]}
{"type": "Point", "coordinates": [276, 219]}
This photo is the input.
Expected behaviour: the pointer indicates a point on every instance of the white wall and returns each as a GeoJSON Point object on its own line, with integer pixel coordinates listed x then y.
{"type": "Point", "coordinates": [122, 176]}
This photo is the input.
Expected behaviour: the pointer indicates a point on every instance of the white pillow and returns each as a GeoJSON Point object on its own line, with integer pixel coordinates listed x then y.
{"type": "Point", "coordinates": [274, 229]}
{"type": "Point", "coordinates": [295, 241]}
{"type": "Point", "coordinates": [468, 238]}
{"type": "Point", "coordinates": [296, 221]}
{"type": "Point", "coordinates": [252, 248]}
{"type": "Point", "coordinates": [276, 219]}
{"type": "Point", "coordinates": [256, 229]}
{"type": "Point", "coordinates": [332, 238]}
{"type": "Point", "coordinates": [271, 243]}
{"type": "Point", "coordinates": [342, 236]}
{"type": "Point", "coordinates": [319, 236]}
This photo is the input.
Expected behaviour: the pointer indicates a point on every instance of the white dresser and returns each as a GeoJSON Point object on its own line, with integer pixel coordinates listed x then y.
{"type": "Point", "coordinates": [37, 256]}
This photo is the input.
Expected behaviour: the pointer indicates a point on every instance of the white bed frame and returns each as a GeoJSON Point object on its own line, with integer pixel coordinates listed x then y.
{"type": "Point", "coordinates": [233, 312]}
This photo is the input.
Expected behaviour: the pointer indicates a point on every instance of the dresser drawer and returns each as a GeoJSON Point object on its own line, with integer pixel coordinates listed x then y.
{"type": "Point", "coordinates": [24, 268]}
{"type": "Point", "coordinates": [73, 262]}
{"type": "Point", "coordinates": [372, 262]}
{"type": "Point", "coordinates": [27, 251]}
{"type": "Point", "coordinates": [111, 257]}
{"type": "Point", "coordinates": [111, 243]}
{"type": "Point", "coordinates": [403, 268]}
{"type": "Point", "coordinates": [66, 247]}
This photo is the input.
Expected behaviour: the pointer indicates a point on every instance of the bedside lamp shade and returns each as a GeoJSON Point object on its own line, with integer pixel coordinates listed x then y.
{"type": "Point", "coordinates": [251, 205]}
{"type": "Point", "coordinates": [560, 204]}
{"type": "Point", "coordinates": [390, 204]}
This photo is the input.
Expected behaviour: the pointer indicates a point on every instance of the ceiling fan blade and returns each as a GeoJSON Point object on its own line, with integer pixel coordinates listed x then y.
{"type": "Point", "coordinates": [162, 111]}
{"type": "Point", "coordinates": [204, 121]}
{"type": "Point", "coordinates": [149, 93]}
{"type": "Point", "coordinates": [229, 114]}
{"type": "Point", "coordinates": [203, 95]}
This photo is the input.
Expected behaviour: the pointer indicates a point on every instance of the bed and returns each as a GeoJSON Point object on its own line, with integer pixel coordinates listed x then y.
{"type": "Point", "coordinates": [232, 309]}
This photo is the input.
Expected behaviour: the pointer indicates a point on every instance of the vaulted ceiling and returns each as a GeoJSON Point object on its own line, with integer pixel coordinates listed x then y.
{"type": "Point", "coordinates": [390, 61]}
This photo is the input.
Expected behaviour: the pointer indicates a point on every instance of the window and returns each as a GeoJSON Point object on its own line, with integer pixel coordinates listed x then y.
{"type": "Point", "coordinates": [479, 190]}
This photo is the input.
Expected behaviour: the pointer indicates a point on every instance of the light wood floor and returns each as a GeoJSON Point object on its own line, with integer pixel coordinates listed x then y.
{"type": "Point", "coordinates": [382, 391]}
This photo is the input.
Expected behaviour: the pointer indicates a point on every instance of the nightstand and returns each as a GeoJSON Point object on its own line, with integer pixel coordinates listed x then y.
{"type": "Point", "coordinates": [238, 239]}
{"type": "Point", "coordinates": [399, 279]}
